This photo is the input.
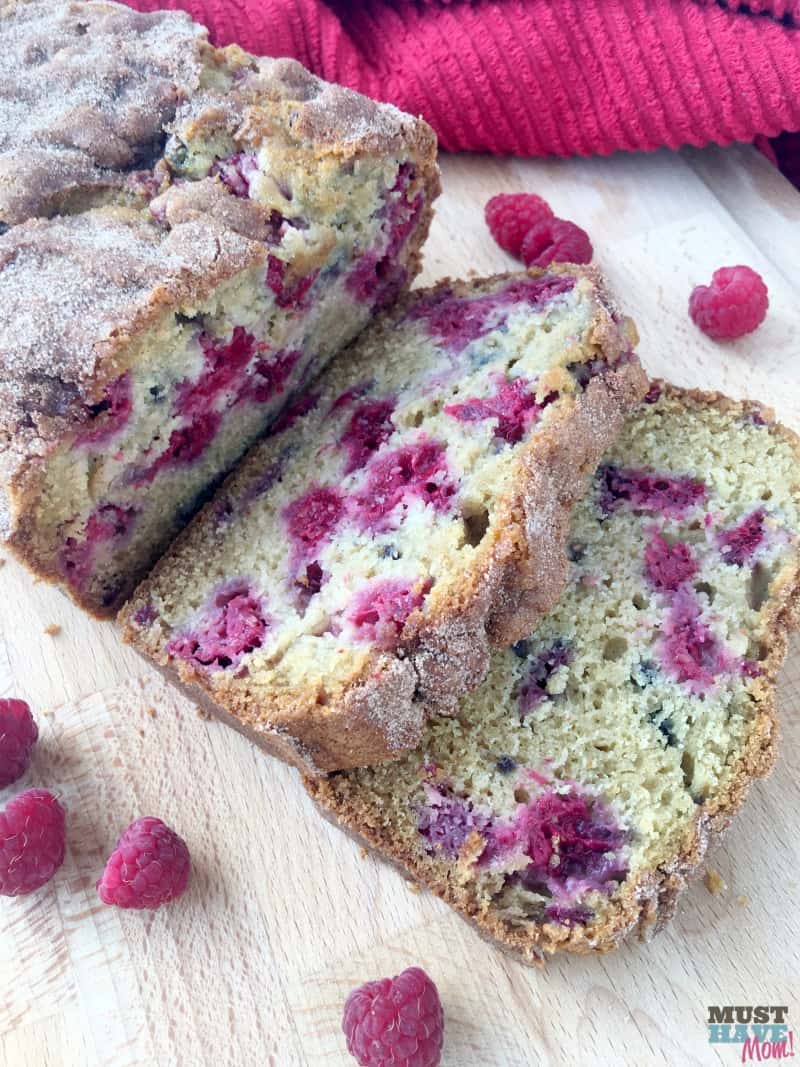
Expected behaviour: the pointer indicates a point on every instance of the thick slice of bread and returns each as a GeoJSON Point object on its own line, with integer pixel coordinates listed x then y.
{"type": "Point", "coordinates": [348, 580]}
{"type": "Point", "coordinates": [253, 219]}
{"type": "Point", "coordinates": [567, 803]}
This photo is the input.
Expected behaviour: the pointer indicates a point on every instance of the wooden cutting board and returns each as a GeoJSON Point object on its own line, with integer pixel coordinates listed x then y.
{"type": "Point", "coordinates": [284, 914]}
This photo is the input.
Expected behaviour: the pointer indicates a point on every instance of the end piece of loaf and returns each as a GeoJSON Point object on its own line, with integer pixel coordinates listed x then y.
{"type": "Point", "coordinates": [579, 787]}
{"type": "Point", "coordinates": [251, 220]}
{"type": "Point", "coordinates": [348, 580]}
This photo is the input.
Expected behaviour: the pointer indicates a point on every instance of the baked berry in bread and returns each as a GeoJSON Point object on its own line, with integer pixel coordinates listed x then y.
{"type": "Point", "coordinates": [568, 801]}
{"type": "Point", "coordinates": [145, 344]}
{"type": "Point", "coordinates": [409, 510]}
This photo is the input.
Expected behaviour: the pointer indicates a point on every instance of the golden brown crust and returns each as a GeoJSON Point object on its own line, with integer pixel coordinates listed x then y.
{"type": "Point", "coordinates": [518, 573]}
{"type": "Point", "coordinates": [643, 906]}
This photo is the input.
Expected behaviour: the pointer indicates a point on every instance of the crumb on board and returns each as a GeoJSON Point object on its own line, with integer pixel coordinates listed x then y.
{"type": "Point", "coordinates": [2, 562]}
{"type": "Point", "coordinates": [202, 713]}
{"type": "Point", "coordinates": [141, 732]}
{"type": "Point", "coordinates": [364, 852]}
{"type": "Point", "coordinates": [151, 711]}
{"type": "Point", "coordinates": [52, 629]}
{"type": "Point", "coordinates": [743, 901]}
{"type": "Point", "coordinates": [715, 883]}
{"type": "Point", "coordinates": [413, 887]}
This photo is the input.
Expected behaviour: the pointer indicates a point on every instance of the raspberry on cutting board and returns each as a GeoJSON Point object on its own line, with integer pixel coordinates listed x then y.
{"type": "Point", "coordinates": [32, 842]}
{"type": "Point", "coordinates": [510, 216]}
{"type": "Point", "coordinates": [733, 305]}
{"type": "Point", "coordinates": [149, 867]}
{"type": "Point", "coordinates": [395, 1022]}
{"type": "Point", "coordinates": [18, 735]}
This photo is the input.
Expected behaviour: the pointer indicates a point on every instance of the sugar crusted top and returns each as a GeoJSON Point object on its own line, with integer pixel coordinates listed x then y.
{"type": "Point", "coordinates": [85, 92]}
{"type": "Point", "coordinates": [75, 289]}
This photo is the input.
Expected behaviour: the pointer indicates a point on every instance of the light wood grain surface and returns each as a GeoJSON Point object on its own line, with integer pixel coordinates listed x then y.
{"type": "Point", "coordinates": [284, 914]}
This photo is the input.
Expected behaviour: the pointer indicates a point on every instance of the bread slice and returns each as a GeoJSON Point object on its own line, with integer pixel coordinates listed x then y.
{"type": "Point", "coordinates": [577, 789]}
{"type": "Point", "coordinates": [253, 220]}
{"type": "Point", "coordinates": [349, 578]}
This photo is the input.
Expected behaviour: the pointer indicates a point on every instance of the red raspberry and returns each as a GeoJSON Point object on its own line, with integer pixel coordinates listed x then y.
{"type": "Point", "coordinates": [395, 1022]}
{"type": "Point", "coordinates": [556, 239]}
{"type": "Point", "coordinates": [18, 734]}
{"type": "Point", "coordinates": [32, 840]}
{"type": "Point", "coordinates": [734, 304]}
{"type": "Point", "coordinates": [149, 867]}
{"type": "Point", "coordinates": [509, 216]}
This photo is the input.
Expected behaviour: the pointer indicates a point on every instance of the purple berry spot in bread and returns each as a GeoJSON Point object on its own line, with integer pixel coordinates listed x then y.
{"type": "Point", "coordinates": [417, 471]}
{"type": "Point", "coordinates": [668, 566]}
{"type": "Point", "coordinates": [513, 407]}
{"type": "Point", "coordinates": [293, 411]}
{"type": "Point", "coordinates": [224, 363]}
{"type": "Point", "coordinates": [307, 584]}
{"type": "Point", "coordinates": [271, 375]}
{"type": "Point", "coordinates": [236, 172]}
{"type": "Point", "coordinates": [370, 426]}
{"type": "Point", "coordinates": [377, 275]}
{"type": "Point", "coordinates": [577, 915]}
{"type": "Point", "coordinates": [688, 650]}
{"type": "Point", "coordinates": [146, 615]}
{"type": "Point", "coordinates": [455, 322]}
{"type": "Point", "coordinates": [111, 414]}
{"type": "Point", "coordinates": [446, 820]}
{"type": "Point", "coordinates": [739, 544]}
{"type": "Point", "coordinates": [108, 523]}
{"type": "Point", "coordinates": [186, 444]}
{"type": "Point", "coordinates": [287, 296]}
{"type": "Point", "coordinates": [378, 612]}
{"type": "Point", "coordinates": [665, 494]}
{"type": "Point", "coordinates": [532, 691]}
{"type": "Point", "coordinates": [573, 843]}
{"type": "Point", "coordinates": [312, 518]}
{"type": "Point", "coordinates": [653, 394]}
{"type": "Point", "coordinates": [231, 627]}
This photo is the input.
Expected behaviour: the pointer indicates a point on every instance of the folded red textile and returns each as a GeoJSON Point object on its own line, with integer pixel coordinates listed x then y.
{"type": "Point", "coordinates": [543, 77]}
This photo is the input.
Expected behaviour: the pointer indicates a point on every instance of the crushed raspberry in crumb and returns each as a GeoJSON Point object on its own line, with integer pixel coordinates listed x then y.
{"type": "Point", "coordinates": [417, 471]}
{"type": "Point", "coordinates": [739, 544]}
{"type": "Point", "coordinates": [665, 494]}
{"type": "Point", "coordinates": [689, 651]}
{"type": "Point", "coordinates": [668, 566]}
{"type": "Point", "coordinates": [186, 444]}
{"type": "Point", "coordinates": [18, 735]}
{"type": "Point", "coordinates": [32, 842]}
{"type": "Point", "coordinates": [395, 1022]}
{"type": "Point", "coordinates": [111, 414]}
{"type": "Point", "coordinates": [370, 426]}
{"type": "Point", "coordinates": [224, 363]}
{"type": "Point", "coordinates": [514, 406]}
{"type": "Point", "coordinates": [455, 321]}
{"type": "Point", "coordinates": [107, 523]}
{"type": "Point", "coordinates": [510, 216]}
{"type": "Point", "coordinates": [446, 820]}
{"type": "Point", "coordinates": [733, 305]}
{"type": "Point", "coordinates": [577, 915]}
{"type": "Point", "coordinates": [556, 240]}
{"type": "Point", "coordinates": [233, 626]}
{"type": "Point", "coordinates": [270, 376]}
{"type": "Point", "coordinates": [653, 394]}
{"type": "Point", "coordinates": [149, 867]}
{"type": "Point", "coordinates": [533, 689]}
{"type": "Point", "coordinates": [236, 172]}
{"type": "Point", "coordinates": [287, 296]}
{"type": "Point", "coordinates": [312, 518]}
{"type": "Point", "coordinates": [379, 612]}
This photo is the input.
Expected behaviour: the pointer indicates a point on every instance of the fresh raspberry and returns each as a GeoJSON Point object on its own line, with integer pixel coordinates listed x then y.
{"type": "Point", "coordinates": [555, 239]}
{"type": "Point", "coordinates": [395, 1022]}
{"type": "Point", "coordinates": [149, 867]}
{"type": "Point", "coordinates": [18, 734]}
{"type": "Point", "coordinates": [734, 304]}
{"type": "Point", "coordinates": [509, 216]}
{"type": "Point", "coordinates": [32, 840]}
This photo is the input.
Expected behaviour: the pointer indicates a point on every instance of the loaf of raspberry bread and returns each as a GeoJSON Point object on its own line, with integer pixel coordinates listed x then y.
{"type": "Point", "coordinates": [567, 803]}
{"type": "Point", "coordinates": [253, 218]}
{"type": "Point", "coordinates": [410, 509]}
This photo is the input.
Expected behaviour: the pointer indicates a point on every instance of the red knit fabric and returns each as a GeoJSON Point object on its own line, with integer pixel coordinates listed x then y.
{"type": "Point", "coordinates": [543, 77]}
